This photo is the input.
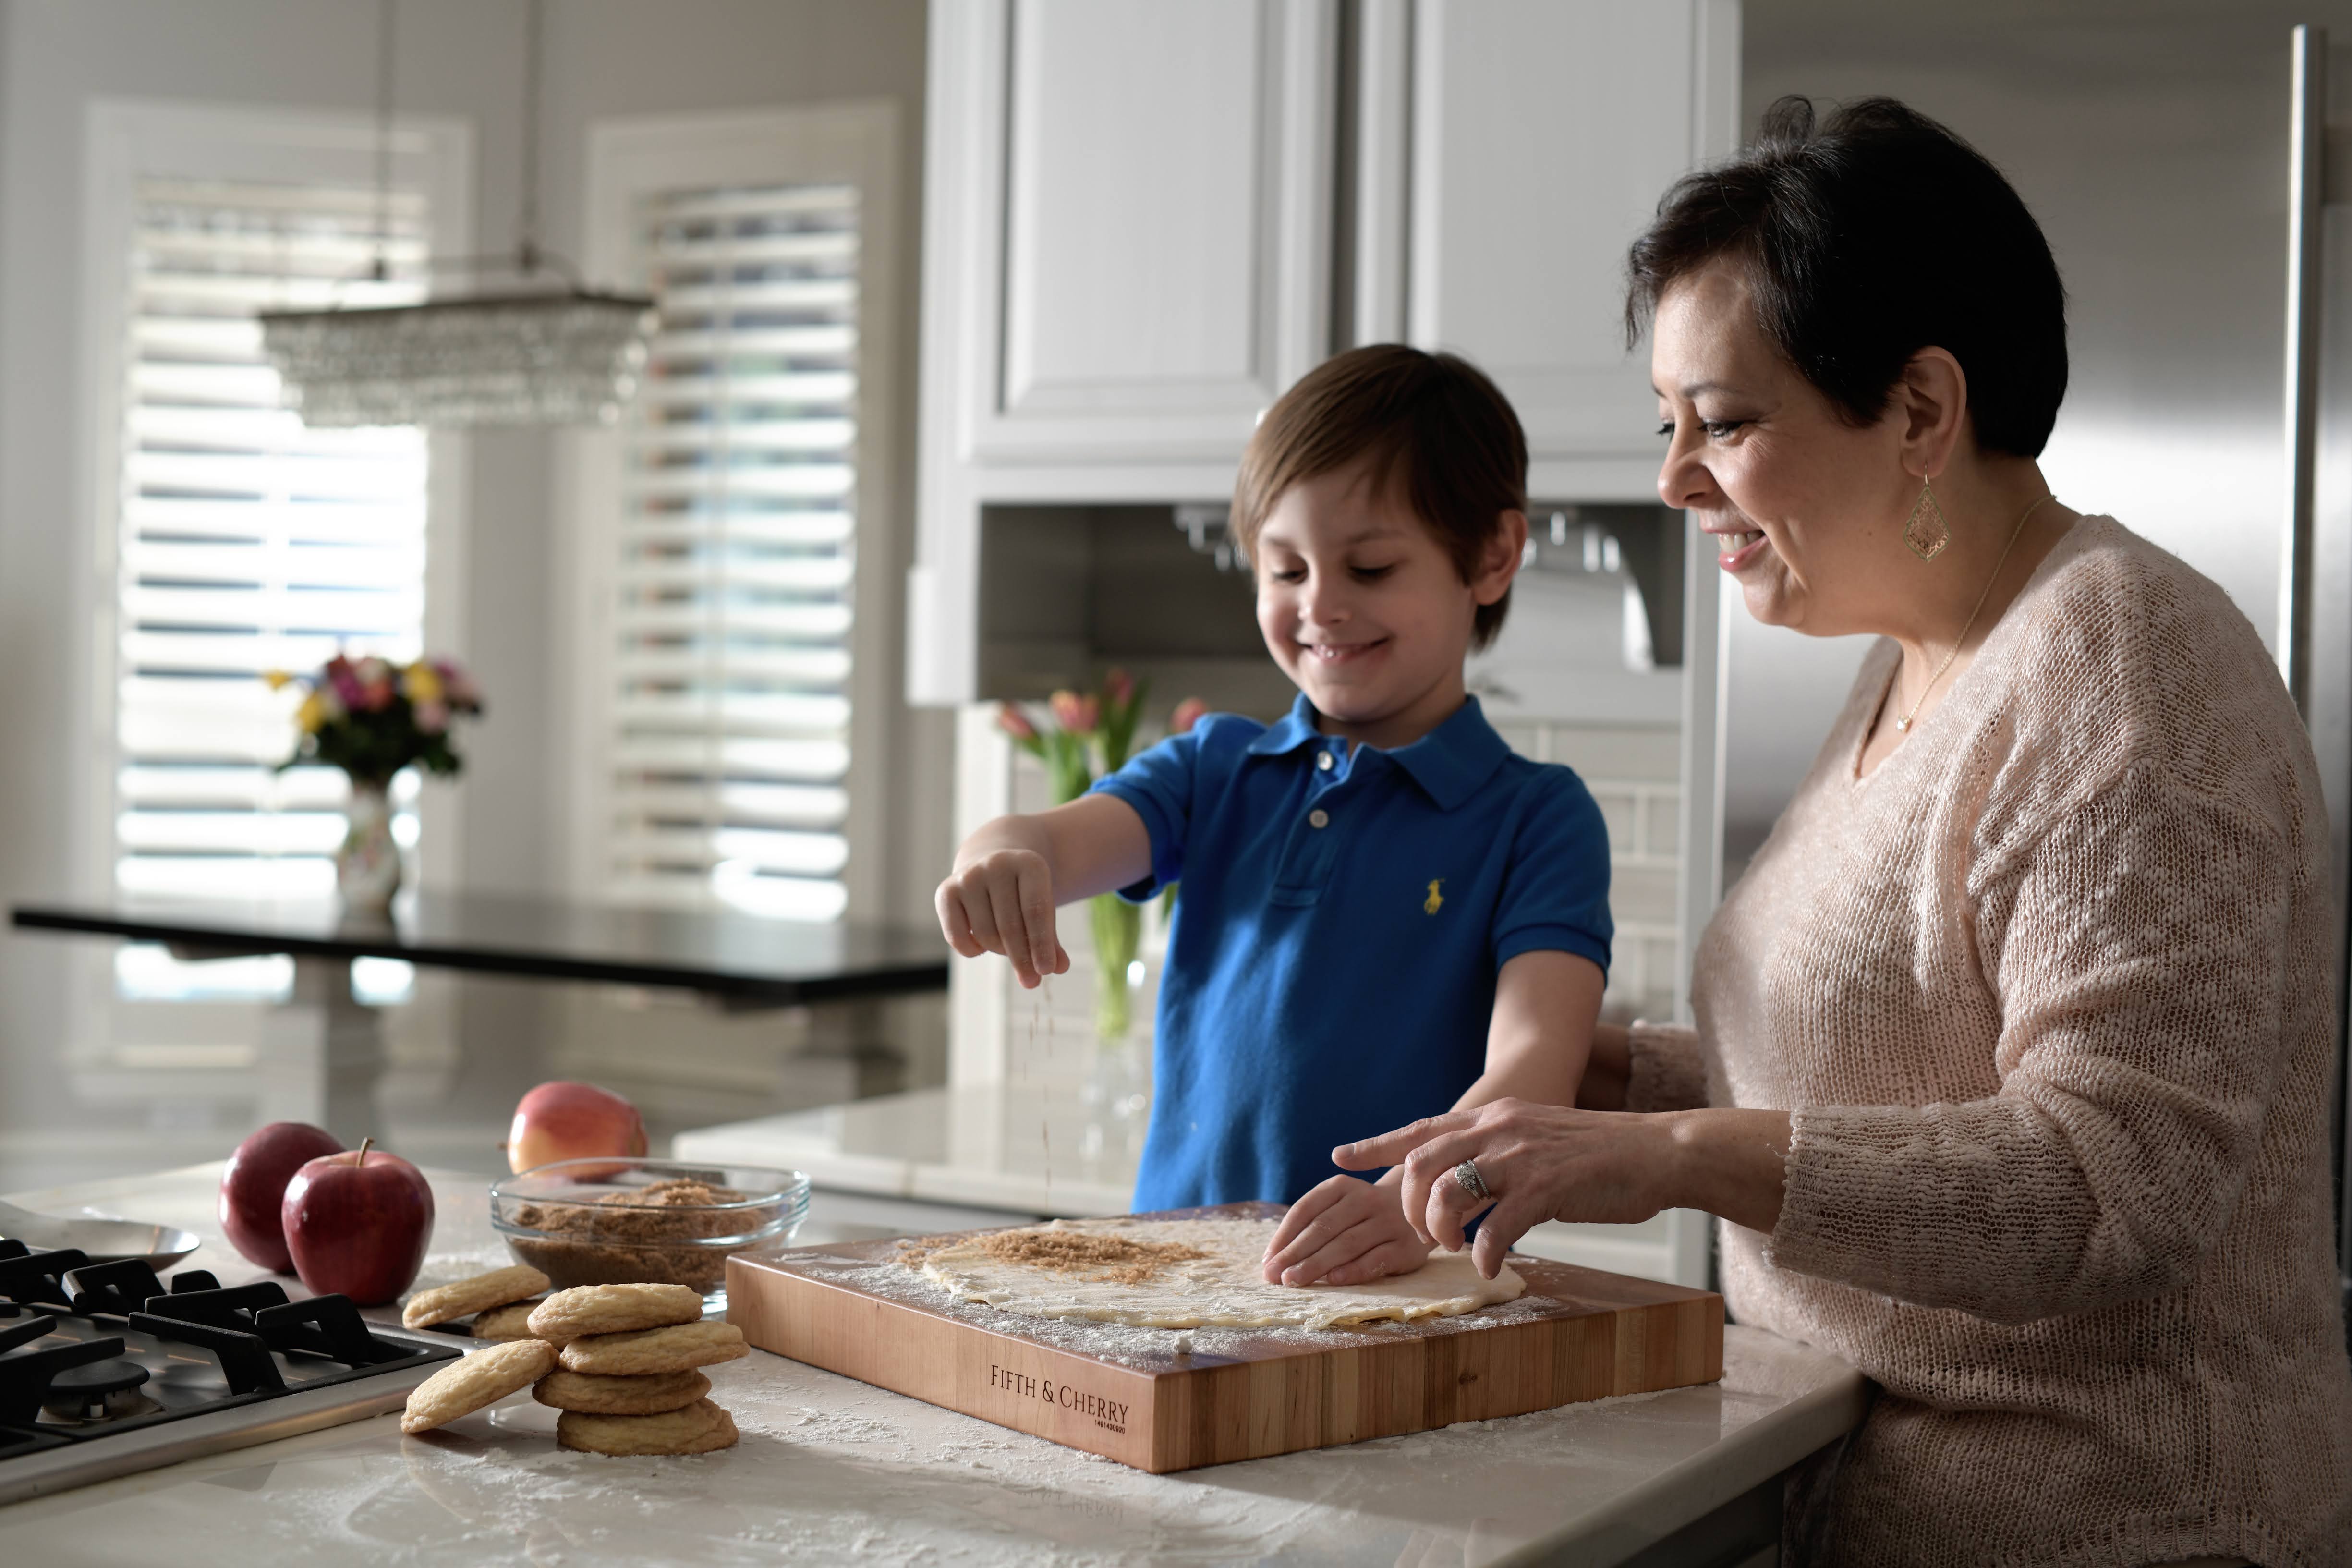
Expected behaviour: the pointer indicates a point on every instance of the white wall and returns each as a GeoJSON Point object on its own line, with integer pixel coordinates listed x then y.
{"type": "Point", "coordinates": [461, 58]}
{"type": "Point", "coordinates": [2149, 139]}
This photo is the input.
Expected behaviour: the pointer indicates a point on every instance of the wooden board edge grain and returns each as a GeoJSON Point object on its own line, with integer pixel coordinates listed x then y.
{"type": "Point", "coordinates": [1354, 1394]}
{"type": "Point", "coordinates": [1001, 1378]}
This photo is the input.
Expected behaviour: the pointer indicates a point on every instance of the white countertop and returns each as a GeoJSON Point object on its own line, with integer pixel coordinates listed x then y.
{"type": "Point", "coordinates": [1040, 1148]}
{"type": "Point", "coordinates": [1028, 1148]}
{"type": "Point", "coordinates": [832, 1470]}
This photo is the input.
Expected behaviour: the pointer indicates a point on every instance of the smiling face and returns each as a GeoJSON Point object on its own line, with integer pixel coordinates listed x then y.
{"type": "Point", "coordinates": [1362, 607]}
{"type": "Point", "coordinates": [1806, 511]}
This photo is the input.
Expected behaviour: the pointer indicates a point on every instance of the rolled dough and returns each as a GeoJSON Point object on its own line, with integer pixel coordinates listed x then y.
{"type": "Point", "coordinates": [1220, 1291]}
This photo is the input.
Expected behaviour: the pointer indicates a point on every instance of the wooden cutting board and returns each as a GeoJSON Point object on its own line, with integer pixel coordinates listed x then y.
{"type": "Point", "coordinates": [1130, 1394]}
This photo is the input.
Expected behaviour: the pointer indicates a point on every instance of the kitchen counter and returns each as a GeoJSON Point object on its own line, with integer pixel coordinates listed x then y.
{"type": "Point", "coordinates": [830, 1469]}
{"type": "Point", "coordinates": [1025, 1148]}
{"type": "Point", "coordinates": [1050, 1147]}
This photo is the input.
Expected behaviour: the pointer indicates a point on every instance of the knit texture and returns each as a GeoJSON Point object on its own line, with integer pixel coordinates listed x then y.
{"type": "Point", "coordinates": [2048, 997]}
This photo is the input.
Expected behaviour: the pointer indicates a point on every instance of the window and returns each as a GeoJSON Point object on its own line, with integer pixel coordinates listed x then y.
{"type": "Point", "coordinates": [727, 694]}
{"type": "Point", "coordinates": [228, 539]}
{"type": "Point", "coordinates": [247, 543]}
{"type": "Point", "coordinates": [733, 614]}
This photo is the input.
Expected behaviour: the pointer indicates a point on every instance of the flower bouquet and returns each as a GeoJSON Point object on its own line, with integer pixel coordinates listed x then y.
{"type": "Point", "coordinates": [372, 718]}
{"type": "Point", "coordinates": [1087, 735]}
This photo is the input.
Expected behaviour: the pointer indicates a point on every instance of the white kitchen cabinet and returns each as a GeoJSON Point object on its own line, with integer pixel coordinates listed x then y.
{"type": "Point", "coordinates": [1127, 256]}
{"type": "Point", "coordinates": [1130, 223]}
{"type": "Point", "coordinates": [1144, 220]}
{"type": "Point", "coordinates": [1531, 141]}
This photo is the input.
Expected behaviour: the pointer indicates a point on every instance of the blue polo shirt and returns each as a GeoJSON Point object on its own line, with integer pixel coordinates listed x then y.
{"type": "Point", "coordinates": [1344, 909]}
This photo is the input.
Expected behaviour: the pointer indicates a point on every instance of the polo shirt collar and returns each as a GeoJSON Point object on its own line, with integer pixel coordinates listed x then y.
{"type": "Point", "coordinates": [1449, 763]}
{"type": "Point", "coordinates": [1292, 730]}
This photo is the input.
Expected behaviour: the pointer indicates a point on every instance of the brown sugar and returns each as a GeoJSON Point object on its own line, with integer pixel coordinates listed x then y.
{"type": "Point", "coordinates": [649, 1235]}
{"type": "Point", "coordinates": [1116, 1259]}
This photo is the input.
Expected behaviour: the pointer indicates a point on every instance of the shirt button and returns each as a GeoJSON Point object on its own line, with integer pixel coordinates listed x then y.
{"type": "Point", "coordinates": [1318, 817]}
{"type": "Point", "coordinates": [1323, 761]}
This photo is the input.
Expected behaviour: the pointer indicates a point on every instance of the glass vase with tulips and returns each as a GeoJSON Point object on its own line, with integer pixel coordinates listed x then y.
{"type": "Point", "coordinates": [1081, 737]}
{"type": "Point", "coordinates": [372, 718]}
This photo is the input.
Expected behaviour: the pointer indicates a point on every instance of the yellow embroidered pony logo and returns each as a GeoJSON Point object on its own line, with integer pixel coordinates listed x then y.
{"type": "Point", "coordinates": [1431, 904]}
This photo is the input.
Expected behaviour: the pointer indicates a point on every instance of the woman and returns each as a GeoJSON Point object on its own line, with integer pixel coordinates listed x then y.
{"type": "Point", "coordinates": [2015, 1041]}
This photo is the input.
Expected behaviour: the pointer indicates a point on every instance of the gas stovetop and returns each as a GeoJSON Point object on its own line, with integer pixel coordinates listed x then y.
{"type": "Point", "coordinates": [104, 1370]}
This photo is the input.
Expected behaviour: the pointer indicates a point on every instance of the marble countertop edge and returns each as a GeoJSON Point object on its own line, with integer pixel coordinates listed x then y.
{"type": "Point", "coordinates": [1745, 1459]}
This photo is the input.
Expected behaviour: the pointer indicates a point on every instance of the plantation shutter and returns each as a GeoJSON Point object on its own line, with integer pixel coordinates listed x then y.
{"type": "Point", "coordinates": [247, 543]}
{"type": "Point", "coordinates": [728, 736]}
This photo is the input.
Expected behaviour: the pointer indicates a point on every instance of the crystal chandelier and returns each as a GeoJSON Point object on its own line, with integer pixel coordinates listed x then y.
{"type": "Point", "coordinates": [560, 356]}
{"type": "Point", "coordinates": [569, 358]}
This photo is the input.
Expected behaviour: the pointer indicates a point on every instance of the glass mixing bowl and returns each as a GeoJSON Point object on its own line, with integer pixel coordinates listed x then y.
{"type": "Point", "coordinates": [622, 1221]}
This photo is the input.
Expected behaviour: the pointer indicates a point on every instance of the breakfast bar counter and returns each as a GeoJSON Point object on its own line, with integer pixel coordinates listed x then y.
{"type": "Point", "coordinates": [830, 1469]}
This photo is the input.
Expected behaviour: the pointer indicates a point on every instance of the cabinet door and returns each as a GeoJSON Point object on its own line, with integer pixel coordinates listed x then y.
{"type": "Point", "coordinates": [1542, 135]}
{"type": "Point", "coordinates": [1159, 235]}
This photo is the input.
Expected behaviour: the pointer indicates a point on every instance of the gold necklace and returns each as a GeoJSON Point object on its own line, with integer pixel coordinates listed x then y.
{"type": "Point", "coordinates": [1903, 724]}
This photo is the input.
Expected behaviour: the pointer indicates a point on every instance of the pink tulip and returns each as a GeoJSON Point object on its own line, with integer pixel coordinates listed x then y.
{"type": "Point", "coordinates": [1120, 685]}
{"type": "Point", "coordinates": [1189, 712]}
{"type": "Point", "coordinates": [458, 686]}
{"type": "Point", "coordinates": [1015, 722]}
{"type": "Point", "coordinates": [432, 717]}
{"type": "Point", "coordinates": [1077, 715]}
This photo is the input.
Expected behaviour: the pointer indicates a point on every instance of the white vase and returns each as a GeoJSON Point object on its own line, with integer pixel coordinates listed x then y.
{"type": "Point", "coordinates": [367, 867]}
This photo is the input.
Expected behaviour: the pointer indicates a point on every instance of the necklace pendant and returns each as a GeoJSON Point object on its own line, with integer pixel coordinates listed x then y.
{"type": "Point", "coordinates": [1902, 726]}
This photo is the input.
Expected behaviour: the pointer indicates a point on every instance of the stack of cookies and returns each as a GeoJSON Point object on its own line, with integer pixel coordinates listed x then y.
{"type": "Point", "coordinates": [621, 1363]}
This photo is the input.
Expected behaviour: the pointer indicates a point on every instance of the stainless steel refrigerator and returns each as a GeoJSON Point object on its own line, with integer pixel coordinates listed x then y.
{"type": "Point", "coordinates": [2316, 567]}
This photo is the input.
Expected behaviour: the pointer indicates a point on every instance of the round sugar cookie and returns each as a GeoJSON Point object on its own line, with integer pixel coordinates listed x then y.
{"type": "Point", "coordinates": [695, 1428]}
{"type": "Point", "coordinates": [614, 1309]}
{"type": "Point", "coordinates": [593, 1394]}
{"type": "Point", "coordinates": [512, 1321]}
{"type": "Point", "coordinates": [470, 1382]}
{"type": "Point", "coordinates": [479, 1294]}
{"type": "Point", "coordinates": [678, 1348]}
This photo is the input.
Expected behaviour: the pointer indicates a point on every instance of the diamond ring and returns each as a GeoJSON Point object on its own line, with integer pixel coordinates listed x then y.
{"type": "Point", "coordinates": [1471, 1182]}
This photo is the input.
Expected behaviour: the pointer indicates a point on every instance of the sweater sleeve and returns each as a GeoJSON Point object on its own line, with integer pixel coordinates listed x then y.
{"type": "Point", "coordinates": [2137, 951]}
{"type": "Point", "coordinates": [1663, 1069]}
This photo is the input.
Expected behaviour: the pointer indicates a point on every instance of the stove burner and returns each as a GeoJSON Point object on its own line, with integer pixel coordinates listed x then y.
{"type": "Point", "coordinates": [102, 1391]}
{"type": "Point", "coordinates": [101, 1363]}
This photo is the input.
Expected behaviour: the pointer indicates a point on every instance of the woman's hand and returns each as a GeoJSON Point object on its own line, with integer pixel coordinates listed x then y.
{"type": "Point", "coordinates": [1545, 1161]}
{"type": "Point", "coordinates": [1539, 1162]}
{"type": "Point", "coordinates": [1001, 900]}
{"type": "Point", "coordinates": [1344, 1232]}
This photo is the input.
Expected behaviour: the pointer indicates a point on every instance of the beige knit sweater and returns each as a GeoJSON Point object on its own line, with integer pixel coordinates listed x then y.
{"type": "Point", "coordinates": [2048, 994]}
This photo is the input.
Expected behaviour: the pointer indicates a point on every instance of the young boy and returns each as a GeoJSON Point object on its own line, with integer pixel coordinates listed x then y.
{"type": "Point", "coordinates": [1386, 914]}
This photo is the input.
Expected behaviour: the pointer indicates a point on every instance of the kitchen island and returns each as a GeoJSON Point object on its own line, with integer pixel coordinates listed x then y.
{"type": "Point", "coordinates": [830, 1469]}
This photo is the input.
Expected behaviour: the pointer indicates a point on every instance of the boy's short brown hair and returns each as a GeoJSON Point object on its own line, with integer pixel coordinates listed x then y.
{"type": "Point", "coordinates": [1437, 428]}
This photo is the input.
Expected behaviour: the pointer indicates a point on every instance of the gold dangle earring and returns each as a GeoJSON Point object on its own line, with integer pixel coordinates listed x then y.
{"type": "Point", "coordinates": [1926, 533]}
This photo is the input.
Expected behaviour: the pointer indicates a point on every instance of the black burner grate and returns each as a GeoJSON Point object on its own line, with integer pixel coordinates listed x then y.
{"type": "Point", "coordinates": [77, 1338]}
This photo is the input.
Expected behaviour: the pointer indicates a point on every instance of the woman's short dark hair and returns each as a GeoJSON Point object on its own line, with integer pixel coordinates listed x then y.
{"type": "Point", "coordinates": [1863, 240]}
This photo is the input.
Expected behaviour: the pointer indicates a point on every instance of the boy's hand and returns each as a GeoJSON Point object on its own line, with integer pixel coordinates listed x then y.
{"type": "Point", "coordinates": [1345, 1232]}
{"type": "Point", "coordinates": [1003, 901]}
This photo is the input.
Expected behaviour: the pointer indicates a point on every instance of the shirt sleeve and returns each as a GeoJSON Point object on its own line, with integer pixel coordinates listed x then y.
{"type": "Point", "coordinates": [1555, 898]}
{"type": "Point", "coordinates": [1160, 785]}
{"type": "Point", "coordinates": [1663, 1069]}
{"type": "Point", "coordinates": [2139, 957]}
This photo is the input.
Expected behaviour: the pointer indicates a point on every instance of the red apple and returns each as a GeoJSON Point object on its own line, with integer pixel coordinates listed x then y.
{"type": "Point", "coordinates": [563, 1120]}
{"type": "Point", "coordinates": [358, 1224]}
{"type": "Point", "coordinates": [253, 1188]}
